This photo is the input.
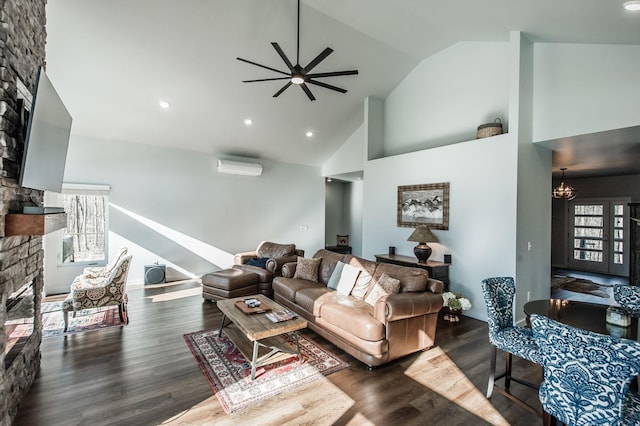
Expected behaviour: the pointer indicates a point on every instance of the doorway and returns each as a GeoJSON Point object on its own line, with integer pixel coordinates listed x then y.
{"type": "Point", "coordinates": [343, 213]}
{"type": "Point", "coordinates": [598, 238]}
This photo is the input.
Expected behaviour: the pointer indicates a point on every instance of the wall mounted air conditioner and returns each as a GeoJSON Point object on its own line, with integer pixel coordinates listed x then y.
{"type": "Point", "coordinates": [239, 168]}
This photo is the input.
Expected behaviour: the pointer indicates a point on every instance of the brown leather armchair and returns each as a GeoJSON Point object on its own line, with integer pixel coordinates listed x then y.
{"type": "Point", "coordinates": [267, 261]}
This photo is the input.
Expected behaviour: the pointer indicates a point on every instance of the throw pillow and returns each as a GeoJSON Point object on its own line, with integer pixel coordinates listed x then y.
{"type": "Point", "coordinates": [362, 284]}
{"type": "Point", "coordinates": [335, 275]}
{"type": "Point", "coordinates": [390, 284]}
{"type": "Point", "coordinates": [348, 279]}
{"type": "Point", "coordinates": [260, 262]}
{"type": "Point", "coordinates": [307, 269]}
{"type": "Point", "coordinates": [386, 285]}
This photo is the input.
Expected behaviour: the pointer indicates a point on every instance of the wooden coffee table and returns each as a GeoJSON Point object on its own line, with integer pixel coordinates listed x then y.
{"type": "Point", "coordinates": [268, 344]}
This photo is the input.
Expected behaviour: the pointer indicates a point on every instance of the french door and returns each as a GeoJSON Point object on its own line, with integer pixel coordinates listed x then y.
{"type": "Point", "coordinates": [598, 236]}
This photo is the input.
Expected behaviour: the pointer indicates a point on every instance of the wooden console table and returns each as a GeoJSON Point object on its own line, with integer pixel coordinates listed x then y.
{"type": "Point", "coordinates": [437, 270]}
{"type": "Point", "coordinates": [339, 249]}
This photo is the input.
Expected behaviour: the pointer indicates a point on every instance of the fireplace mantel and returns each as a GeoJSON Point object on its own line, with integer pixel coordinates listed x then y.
{"type": "Point", "coordinates": [33, 224]}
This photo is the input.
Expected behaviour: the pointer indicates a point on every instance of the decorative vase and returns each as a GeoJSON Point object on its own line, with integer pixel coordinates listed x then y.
{"type": "Point", "coordinates": [451, 315]}
{"type": "Point", "coordinates": [422, 252]}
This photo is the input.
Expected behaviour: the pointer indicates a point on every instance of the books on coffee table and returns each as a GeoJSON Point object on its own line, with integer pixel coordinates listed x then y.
{"type": "Point", "coordinates": [280, 316]}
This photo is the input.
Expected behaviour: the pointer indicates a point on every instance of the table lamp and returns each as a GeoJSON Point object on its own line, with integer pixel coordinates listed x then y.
{"type": "Point", "coordinates": [422, 235]}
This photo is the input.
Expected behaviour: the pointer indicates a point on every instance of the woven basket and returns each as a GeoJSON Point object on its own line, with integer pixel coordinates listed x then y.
{"type": "Point", "coordinates": [489, 129]}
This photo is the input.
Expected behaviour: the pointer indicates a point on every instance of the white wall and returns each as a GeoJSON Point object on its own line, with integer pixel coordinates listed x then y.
{"type": "Point", "coordinates": [580, 89]}
{"type": "Point", "coordinates": [355, 199]}
{"type": "Point", "coordinates": [171, 205]}
{"type": "Point", "coordinates": [482, 219]}
{"type": "Point", "coordinates": [533, 242]}
{"type": "Point", "coordinates": [447, 96]}
{"type": "Point", "coordinates": [349, 157]}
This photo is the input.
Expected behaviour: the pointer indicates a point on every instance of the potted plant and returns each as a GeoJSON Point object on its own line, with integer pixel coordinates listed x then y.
{"type": "Point", "coordinates": [453, 305]}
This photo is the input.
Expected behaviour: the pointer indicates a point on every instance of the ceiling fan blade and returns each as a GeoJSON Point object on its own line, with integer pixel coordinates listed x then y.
{"type": "Point", "coordinates": [285, 87]}
{"type": "Point", "coordinates": [332, 74]}
{"type": "Point", "coordinates": [311, 65]}
{"type": "Point", "coordinates": [327, 86]}
{"type": "Point", "coordinates": [266, 79]}
{"type": "Point", "coordinates": [263, 66]}
{"type": "Point", "coordinates": [282, 55]}
{"type": "Point", "coordinates": [308, 92]}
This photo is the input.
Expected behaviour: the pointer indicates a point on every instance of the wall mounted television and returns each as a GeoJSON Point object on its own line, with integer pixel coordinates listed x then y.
{"type": "Point", "coordinates": [46, 138]}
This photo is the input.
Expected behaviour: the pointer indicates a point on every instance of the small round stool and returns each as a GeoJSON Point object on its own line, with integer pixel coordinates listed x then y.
{"type": "Point", "coordinates": [229, 283]}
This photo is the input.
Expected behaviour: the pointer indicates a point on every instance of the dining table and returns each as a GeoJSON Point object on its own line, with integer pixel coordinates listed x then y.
{"type": "Point", "coordinates": [585, 315]}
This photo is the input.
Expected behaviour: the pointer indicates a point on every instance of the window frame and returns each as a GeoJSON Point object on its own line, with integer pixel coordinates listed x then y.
{"type": "Point", "coordinates": [95, 190]}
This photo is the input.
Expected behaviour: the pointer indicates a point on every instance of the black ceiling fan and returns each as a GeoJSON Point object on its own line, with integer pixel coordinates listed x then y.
{"type": "Point", "coordinates": [300, 75]}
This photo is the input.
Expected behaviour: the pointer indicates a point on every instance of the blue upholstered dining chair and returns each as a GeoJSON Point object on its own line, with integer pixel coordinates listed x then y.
{"type": "Point", "coordinates": [586, 375]}
{"type": "Point", "coordinates": [499, 294]}
{"type": "Point", "coordinates": [628, 296]}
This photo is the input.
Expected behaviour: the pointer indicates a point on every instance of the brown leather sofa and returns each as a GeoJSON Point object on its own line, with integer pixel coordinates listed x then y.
{"type": "Point", "coordinates": [272, 256]}
{"type": "Point", "coordinates": [398, 325]}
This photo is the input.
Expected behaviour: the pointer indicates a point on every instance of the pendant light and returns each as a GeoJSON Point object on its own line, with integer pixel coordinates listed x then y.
{"type": "Point", "coordinates": [563, 190]}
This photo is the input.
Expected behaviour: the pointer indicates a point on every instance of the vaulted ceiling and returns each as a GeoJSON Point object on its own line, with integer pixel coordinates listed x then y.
{"type": "Point", "coordinates": [114, 61]}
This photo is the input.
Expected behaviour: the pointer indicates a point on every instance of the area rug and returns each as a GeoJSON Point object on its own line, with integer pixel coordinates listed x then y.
{"type": "Point", "coordinates": [580, 285]}
{"type": "Point", "coordinates": [86, 320]}
{"type": "Point", "coordinates": [228, 371]}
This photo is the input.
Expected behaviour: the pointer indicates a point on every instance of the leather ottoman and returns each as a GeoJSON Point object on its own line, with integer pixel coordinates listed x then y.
{"type": "Point", "coordinates": [229, 283]}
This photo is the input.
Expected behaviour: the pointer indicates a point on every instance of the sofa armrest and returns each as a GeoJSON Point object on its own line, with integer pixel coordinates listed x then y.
{"type": "Point", "coordinates": [406, 305]}
{"type": "Point", "coordinates": [435, 286]}
{"type": "Point", "coordinates": [289, 269]}
{"type": "Point", "coordinates": [242, 258]}
{"type": "Point", "coordinates": [274, 265]}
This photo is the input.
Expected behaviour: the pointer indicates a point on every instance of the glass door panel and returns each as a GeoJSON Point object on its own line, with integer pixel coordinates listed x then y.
{"type": "Point", "coordinates": [597, 236]}
{"type": "Point", "coordinates": [589, 236]}
{"type": "Point", "coordinates": [618, 265]}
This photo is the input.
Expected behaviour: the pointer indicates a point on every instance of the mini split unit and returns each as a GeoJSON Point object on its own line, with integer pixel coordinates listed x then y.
{"type": "Point", "coordinates": [239, 168]}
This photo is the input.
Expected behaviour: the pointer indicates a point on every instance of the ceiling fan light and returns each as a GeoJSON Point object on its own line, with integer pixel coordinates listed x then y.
{"type": "Point", "coordinates": [633, 5]}
{"type": "Point", "coordinates": [297, 79]}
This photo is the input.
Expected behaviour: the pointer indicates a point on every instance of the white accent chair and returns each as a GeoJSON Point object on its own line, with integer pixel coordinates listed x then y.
{"type": "Point", "coordinates": [103, 271]}
{"type": "Point", "coordinates": [96, 291]}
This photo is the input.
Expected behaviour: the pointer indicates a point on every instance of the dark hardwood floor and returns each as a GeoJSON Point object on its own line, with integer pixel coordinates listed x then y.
{"type": "Point", "coordinates": [144, 374]}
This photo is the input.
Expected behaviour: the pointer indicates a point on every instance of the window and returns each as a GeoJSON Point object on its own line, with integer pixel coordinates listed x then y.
{"type": "Point", "coordinates": [85, 237]}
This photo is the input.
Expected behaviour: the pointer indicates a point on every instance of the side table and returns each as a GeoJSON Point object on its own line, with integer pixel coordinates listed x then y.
{"type": "Point", "coordinates": [437, 270]}
{"type": "Point", "coordinates": [339, 249]}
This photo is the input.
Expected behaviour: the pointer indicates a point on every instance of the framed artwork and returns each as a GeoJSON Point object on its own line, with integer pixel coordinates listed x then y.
{"type": "Point", "coordinates": [343, 240]}
{"type": "Point", "coordinates": [424, 205]}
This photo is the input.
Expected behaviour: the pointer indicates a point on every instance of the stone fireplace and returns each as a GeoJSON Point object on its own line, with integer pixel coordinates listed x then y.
{"type": "Point", "coordinates": [22, 50]}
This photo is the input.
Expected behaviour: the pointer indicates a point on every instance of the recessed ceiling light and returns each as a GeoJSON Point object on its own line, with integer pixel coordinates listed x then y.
{"type": "Point", "coordinates": [329, 179]}
{"type": "Point", "coordinates": [633, 5]}
{"type": "Point", "coordinates": [164, 104]}
{"type": "Point", "coordinates": [309, 133]}
{"type": "Point", "coordinates": [248, 121]}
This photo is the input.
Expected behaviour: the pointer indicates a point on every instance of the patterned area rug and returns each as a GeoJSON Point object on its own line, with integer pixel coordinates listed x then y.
{"type": "Point", "coordinates": [228, 371]}
{"type": "Point", "coordinates": [87, 320]}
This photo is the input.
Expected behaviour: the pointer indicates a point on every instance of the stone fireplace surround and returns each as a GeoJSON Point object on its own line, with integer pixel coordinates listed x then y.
{"type": "Point", "coordinates": [22, 50]}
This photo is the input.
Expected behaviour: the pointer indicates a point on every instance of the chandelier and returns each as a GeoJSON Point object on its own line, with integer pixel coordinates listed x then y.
{"type": "Point", "coordinates": [563, 190]}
